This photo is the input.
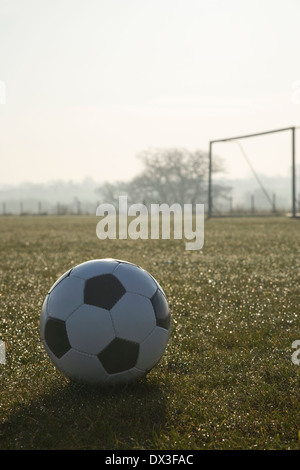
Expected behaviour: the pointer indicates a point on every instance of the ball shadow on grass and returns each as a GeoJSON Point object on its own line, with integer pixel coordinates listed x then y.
{"type": "Point", "coordinates": [74, 416]}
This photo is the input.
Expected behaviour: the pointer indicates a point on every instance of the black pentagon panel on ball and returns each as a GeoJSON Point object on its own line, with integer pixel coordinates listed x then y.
{"type": "Point", "coordinates": [103, 291]}
{"type": "Point", "coordinates": [119, 356]}
{"type": "Point", "coordinates": [161, 309]}
{"type": "Point", "coordinates": [56, 337]}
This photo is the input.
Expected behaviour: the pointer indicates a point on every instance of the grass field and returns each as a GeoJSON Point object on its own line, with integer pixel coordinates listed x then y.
{"type": "Point", "coordinates": [226, 380]}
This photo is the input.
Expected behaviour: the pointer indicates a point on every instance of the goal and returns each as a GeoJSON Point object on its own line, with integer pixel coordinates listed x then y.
{"type": "Point", "coordinates": [216, 208]}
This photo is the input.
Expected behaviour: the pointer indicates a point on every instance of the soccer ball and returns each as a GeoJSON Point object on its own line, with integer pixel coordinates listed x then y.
{"type": "Point", "coordinates": [105, 322]}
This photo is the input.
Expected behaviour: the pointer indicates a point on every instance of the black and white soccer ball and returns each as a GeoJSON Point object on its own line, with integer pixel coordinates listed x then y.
{"type": "Point", "coordinates": [105, 321]}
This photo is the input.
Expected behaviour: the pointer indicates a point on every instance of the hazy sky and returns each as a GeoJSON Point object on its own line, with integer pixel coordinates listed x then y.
{"type": "Point", "coordinates": [90, 83]}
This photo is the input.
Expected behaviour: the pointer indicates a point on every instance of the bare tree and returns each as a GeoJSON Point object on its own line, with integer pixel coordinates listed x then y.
{"type": "Point", "coordinates": [170, 175]}
{"type": "Point", "coordinates": [175, 175]}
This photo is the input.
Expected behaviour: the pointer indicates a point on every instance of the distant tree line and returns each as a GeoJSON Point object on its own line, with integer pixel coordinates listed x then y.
{"type": "Point", "coordinates": [169, 175]}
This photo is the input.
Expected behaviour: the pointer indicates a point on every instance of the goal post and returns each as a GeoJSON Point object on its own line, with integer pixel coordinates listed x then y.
{"type": "Point", "coordinates": [228, 139]}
